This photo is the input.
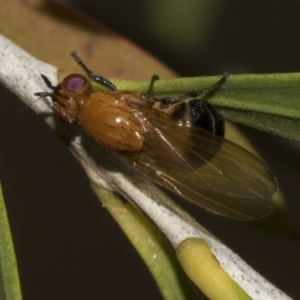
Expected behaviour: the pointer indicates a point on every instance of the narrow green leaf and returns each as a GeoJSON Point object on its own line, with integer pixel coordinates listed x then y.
{"type": "Point", "coordinates": [204, 269]}
{"type": "Point", "coordinates": [283, 126]}
{"type": "Point", "coordinates": [152, 246]}
{"type": "Point", "coordinates": [270, 102]}
{"type": "Point", "coordinates": [9, 279]}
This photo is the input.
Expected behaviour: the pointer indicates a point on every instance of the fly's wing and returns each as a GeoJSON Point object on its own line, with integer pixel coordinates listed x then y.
{"type": "Point", "coordinates": [211, 172]}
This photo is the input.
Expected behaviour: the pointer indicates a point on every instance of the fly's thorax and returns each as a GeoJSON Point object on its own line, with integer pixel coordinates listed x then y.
{"type": "Point", "coordinates": [114, 121]}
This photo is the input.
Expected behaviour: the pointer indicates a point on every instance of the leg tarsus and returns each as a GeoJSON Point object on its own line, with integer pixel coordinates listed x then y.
{"type": "Point", "coordinates": [214, 86]}
{"type": "Point", "coordinates": [76, 57]}
{"type": "Point", "coordinates": [47, 82]}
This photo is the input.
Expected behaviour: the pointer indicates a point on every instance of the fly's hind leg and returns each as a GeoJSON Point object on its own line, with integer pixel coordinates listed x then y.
{"type": "Point", "coordinates": [195, 93]}
{"type": "Point", "coordinates": [150, 93]}
{"type": "Point", "coordinates": [195, 112]}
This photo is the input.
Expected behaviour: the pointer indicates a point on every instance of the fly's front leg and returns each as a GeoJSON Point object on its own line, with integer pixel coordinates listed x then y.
{"type": "Point", "coordinates": [96, 78]}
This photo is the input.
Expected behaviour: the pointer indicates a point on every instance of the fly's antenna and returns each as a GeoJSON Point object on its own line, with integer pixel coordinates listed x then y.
{"type": "Point", "coordinates": [40, 95]}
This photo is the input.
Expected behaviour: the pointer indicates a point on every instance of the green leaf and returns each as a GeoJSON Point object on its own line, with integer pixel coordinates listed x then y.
{"type": "Point", "coordinates": [151, 244]}
{"type": "Point", "coordinates": [201, 265]}
{"type": "Point", "coordinates": [269, 102]}
{"type": "Point", "coordinates": [9, 278]}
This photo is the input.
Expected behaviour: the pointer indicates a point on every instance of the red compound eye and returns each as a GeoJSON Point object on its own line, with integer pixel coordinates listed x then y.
{"type": "Point", "coordinates": [74, 82]}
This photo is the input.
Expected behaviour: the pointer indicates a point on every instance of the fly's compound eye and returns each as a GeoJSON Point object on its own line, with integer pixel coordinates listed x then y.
{"type": "Point", "coordinates": [74, 83]}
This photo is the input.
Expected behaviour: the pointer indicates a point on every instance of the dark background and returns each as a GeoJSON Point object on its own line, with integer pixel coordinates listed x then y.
{"type": "Point", "coordinates": [68, 246]}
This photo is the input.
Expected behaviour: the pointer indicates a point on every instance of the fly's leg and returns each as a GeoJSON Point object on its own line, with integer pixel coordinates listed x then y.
{"type": "Point", "coordinates": [150, 93]}
{"type": "Point", "coordinates": [195, 112]}
{"type": "Point", "coordinates": [96, 78]}
{"type": "Point", "coordinates": [48, 82]}
{"type": "Point", "coordinates": [195, 93]}
{"type": "Point", "coordinates": [49, 85]}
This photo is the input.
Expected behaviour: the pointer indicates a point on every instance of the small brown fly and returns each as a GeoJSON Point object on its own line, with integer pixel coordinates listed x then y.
{"type": "Point", "coordinates": [184, 151]}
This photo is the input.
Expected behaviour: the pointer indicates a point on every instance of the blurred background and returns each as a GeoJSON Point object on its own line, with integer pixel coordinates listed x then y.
{"type": "Point", "coordinates": [68, 246]}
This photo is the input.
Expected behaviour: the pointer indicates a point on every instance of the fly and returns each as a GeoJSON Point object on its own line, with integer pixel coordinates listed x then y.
{"type": "Point", "coordinates": [183, 151]}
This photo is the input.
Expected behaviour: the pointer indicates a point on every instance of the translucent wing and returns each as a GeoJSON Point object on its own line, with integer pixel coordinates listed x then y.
{"type": "Point", "coordinates": [212, 172]}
